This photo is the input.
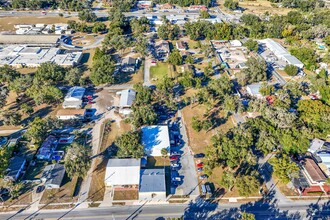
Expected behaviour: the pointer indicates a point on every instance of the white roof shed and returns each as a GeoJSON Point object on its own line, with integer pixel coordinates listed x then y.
{"type": "Point", "coordinates": [154, 139]}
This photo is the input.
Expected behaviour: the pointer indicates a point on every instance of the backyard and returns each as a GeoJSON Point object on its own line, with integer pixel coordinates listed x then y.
{"type": "Point", "coordinates": [159, 71]}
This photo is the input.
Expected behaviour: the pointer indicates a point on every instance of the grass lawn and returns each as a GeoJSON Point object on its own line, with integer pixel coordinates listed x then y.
{"type": "Point", "coordinates": [283, 188]}
{"type": "Point", "coordinates": [192, 44]}
{"type": "Point", "coordinates": [159, 71]}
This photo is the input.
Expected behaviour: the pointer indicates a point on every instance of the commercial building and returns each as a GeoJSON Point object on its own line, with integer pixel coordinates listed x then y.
{"type": "Point", "coordinates": [37, 29]}
{"type": "Point", "coordinates": [30, 40]}
{"type": "Point", "coordinates": [281, 53]}
{"type": "Point", "coordinates": [154, 139]}
{"type": "Point", "coordinates": [20, 56]}
{"type": "Point", "coordinates": [15, 168]}
{"type": "Point", "coordinates": [122, 173]}
{"type": "Point", "coordinates": [144, 4]}
{"type": "Point", "coordinates": [53, 176]}
{"type": "Point", "coordinates": [71, 114]}
{"type": "Point", "coordinates": [74, 97]}
{"type": "Point", "coordinates": [152, 185]}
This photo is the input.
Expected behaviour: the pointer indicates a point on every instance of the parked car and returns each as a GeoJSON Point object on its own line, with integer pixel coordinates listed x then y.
{"type": "Point", "coordinates": [200, 165]}
{"type": "Point", "coordinates": [173, 153]}
{"type": "Point", "coordinates": [174, 165]}
{"type": "Point", "coordinates": [174, 157]}
{"type": "Point", "coordinates": [40, 189]}
{"type": "Point", "coordinates": [200, 155]}
{"type": "Point", "coordinates": [204, 176]}
{"type": "Point", "coordinates": [199, 169]}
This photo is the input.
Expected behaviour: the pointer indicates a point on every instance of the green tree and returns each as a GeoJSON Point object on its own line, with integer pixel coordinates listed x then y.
{"type": "Point", "coordinates": [73, 76]}
{"type": "Point", "coordinates": [247, 185]}
{"type": "Point", "coordinates": [291, 70]}
{"type": "Point", "coordinates": [227, 180]}
{"type": "Point", "coordinates": [247, 216]}
{"type": "Point", "coordinates": [230, 4]}
{"type": "Point", "coordinates": [99, 27]}
{"type": "Point", "coordinates": [5, 154]}
{"type": "Point", "coordinates": [102, 71]}
{"type": "Point", "coordinates": [190, 59]}
{"type": "Point", "coordinates": [204, 14]}
{"type": "Point", "coordinates": [167, 31]}
{"type": "Point", "coordinates": [44, 94]}
{"type": "Point", "coordinates": [266, 89]}
{"type": "Point", "coordinates": [87, 15]}
{"type": "Point", "coordinates": [37, 130]}
{"type": "Point", "coordinates": [49, 73]}
{"type": "Point", "coordinates": [230, 104]}
{"type": "Point", "coordinates": [26, 109]}
{"type": "Point", "coordinates": [21, 84]}
{"type": "Point", "coordinates": [256, 71]}
{"type": "Point", "coordinates": [8, 74]}
{"type": "Point", "coordinates": [175, 58]}
{"type": "Point", "coordinates": [252, 45]}
{"type": "Point", "coordinates": [143, 95]}
{"type": "Point", "coordinates": [143, 115]}
{"type": "Point", "coordinates": [3, 96]}
{"type": "Point", "coordinates": [11, 118]}
{"type": "Point", "coordinates": [129, 145]}
{"type": "Point", "coordinates": [77, 160]}
{"type": "Point", "coordinates": [284, 168]}
{"type": "Point", "coordinates": [164, 152]}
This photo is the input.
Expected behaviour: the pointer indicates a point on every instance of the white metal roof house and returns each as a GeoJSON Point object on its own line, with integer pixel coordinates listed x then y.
{"type": "Point", "coordinates": [152, 185]}
{"type": "Point", "coordinates": [253, 90]}
{"type": "Point", "coordinates": [154, 139]}
{"type": "Point", "coordinates": [71, 114]}
{"type": "Point", "coordinates": [15, 168]}
{"type": "Point", "coordinates": [122, 172]}
{"type": "Point", "coordinates": [315, 145]}
{"type": "Point", "coordinates": [126, 101]}
{"type": "Point", "coordinates": [53, 175]}
{"type": "Point", "coordinates": [73, 98]}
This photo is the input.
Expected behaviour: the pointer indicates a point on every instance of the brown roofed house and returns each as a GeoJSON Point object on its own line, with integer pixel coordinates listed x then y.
{"type": "Point", "coordinates": [313, 172]}
{"type": "Point", "coordinates": [167, 6]}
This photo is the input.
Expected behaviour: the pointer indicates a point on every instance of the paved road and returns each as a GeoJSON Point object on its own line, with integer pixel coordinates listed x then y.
{"type": "Point", "coordinates": [146, 77]}
{"type": "Point", "coordinates": [198, 210]}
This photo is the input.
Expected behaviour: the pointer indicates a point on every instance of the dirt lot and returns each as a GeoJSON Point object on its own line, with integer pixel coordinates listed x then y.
{"type": "Point", "coordinates": [199, 140]}
{"type": "Point", "coordinates": [153, 162]}
{"type": "Point", "coordinates": [7, 23]}
{"type": "Point", "coordinates": [97, 189]}
{"type": "Point", "coordinates": [126, 194]}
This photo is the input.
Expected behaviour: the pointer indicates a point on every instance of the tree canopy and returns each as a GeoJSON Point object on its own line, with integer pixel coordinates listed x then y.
{"type": "Point", "coordinates": [77, 160]}
{"type": "Point", "coordinates": [129, 145]}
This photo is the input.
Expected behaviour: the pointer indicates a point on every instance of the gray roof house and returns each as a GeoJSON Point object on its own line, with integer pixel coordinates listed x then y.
{"type": "Point", "coordinates": [15, 168]}
{"type": "Point", "coordinates": [53, 175]}
{"type": "Point", "coordinates": [152, 185]}
{"type": "Point", "coordinates": [128, 64]}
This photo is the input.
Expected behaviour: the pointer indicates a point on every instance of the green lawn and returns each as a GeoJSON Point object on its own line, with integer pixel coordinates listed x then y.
{"type": "Point", "coordinates": [192, 44]}
{"type": "Point", "coordinates": [159, 71]}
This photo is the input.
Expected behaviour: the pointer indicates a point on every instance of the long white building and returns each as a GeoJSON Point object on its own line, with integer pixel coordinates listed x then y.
{"type": "Point", "coordinates": [281, 53]}
{"type": "Point", "coordinates": [25, 56]}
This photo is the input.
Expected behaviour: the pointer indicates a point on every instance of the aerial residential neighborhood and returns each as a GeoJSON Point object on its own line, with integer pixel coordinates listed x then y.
{"type": "Point", "coordinates": [194, 109]}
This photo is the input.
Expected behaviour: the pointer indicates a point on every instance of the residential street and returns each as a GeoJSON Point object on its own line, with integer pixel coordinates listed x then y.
{"type": "Point", "coordinates": [197, 210]}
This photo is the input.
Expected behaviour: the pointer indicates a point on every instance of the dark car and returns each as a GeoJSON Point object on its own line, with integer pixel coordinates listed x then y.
{"type": "Point", "coordinates": [204, 176]}
{"type": "Point", "coordinates": [40, 189]}
{"type": "Point", "coordinates": [200, 169]}
{"type": "Point", "coordinates": [200, 155]}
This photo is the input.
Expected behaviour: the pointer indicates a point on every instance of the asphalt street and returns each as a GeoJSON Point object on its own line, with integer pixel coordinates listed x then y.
{"type": "Point", "coordinates": [198, 210]}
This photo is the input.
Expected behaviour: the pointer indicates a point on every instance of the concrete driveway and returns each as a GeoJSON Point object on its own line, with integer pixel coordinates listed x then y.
{"type": "Point", "coordinates": [147, 65]}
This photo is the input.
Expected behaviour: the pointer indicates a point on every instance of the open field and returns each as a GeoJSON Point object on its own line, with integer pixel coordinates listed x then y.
{"type": "Point", "coordinates": [257, 7]}
{"type": "Point", "coordinates": [126, 194]}
{"type": "Point", "coordinates": [200, 140]}
{"type": "Point", "coordinates": [154, 162]}
{"type": "Point", "coordinates": [159, 71]}
{"type": "Point", "coordinates": [7, 23]}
